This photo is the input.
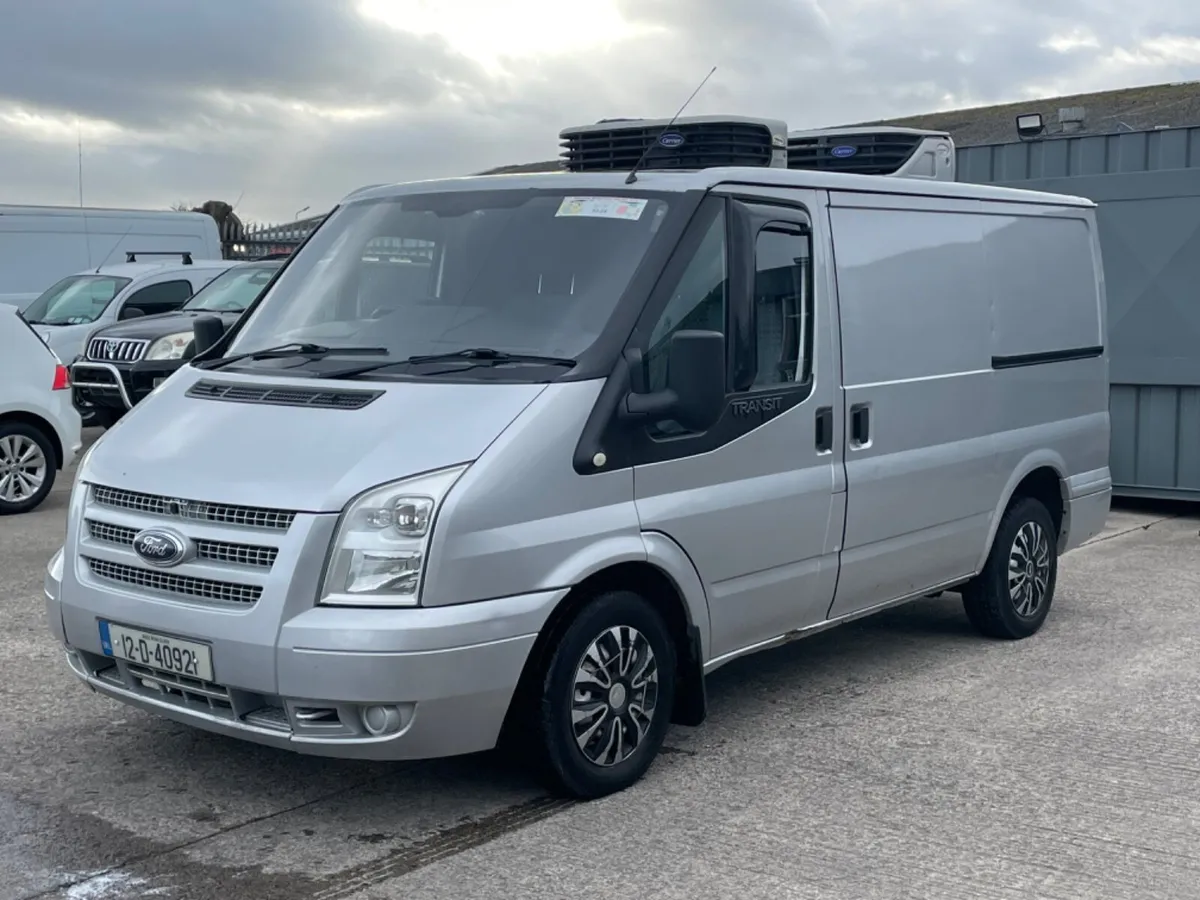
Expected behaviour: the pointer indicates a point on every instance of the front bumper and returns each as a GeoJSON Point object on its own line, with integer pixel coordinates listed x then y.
{"type": "Point", "coordinates": [118, 387]}
{"type": "Point", "coordinates": [444, 676]}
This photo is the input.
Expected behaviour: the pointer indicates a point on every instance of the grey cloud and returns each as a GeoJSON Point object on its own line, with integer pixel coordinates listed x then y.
{"type": "Point", "coordinates": [151, 61]}
{"type": "Point", "coordinates": [155, 65]}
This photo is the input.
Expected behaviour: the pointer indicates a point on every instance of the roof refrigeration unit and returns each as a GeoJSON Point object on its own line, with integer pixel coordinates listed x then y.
{"type": "Point", "coordinates": [878, 150]}
{"type": "Point", "coordinates": [694, 142]}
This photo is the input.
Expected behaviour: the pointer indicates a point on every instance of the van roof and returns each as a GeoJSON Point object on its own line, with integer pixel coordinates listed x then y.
{"type": "Point", "coordinates": [706, 179]}
{"type": "Point", "coordinates": [8, 209]}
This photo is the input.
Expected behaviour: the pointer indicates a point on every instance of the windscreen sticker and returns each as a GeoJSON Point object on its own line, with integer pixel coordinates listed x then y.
{"type": "Point", "coordinates": [602, 208]}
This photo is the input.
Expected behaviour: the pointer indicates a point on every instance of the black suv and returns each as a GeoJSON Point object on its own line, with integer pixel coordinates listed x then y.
{"type": "Point", "coordinates": [124, 362]}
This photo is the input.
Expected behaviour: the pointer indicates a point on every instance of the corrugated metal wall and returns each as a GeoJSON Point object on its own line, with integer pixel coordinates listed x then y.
{"type": "Point", "coordinates": [1147, 186]}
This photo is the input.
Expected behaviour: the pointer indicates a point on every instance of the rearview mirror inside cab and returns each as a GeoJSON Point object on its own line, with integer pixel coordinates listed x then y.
{"type": "Point", "coordinates": [695, 392]}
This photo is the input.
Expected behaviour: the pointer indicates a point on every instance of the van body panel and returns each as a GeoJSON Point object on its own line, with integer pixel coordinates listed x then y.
{"type": "Point", "coordinates": [962, 288]}
{"type": "Point", "coordinates": [496, 536]}
{"type": "Point", "coordinates": [41, 244]}
{"type": "Point", "coordinates": [755, 514]}
{"type": "Point", "coordinates": [217, 438]}
{"type": "Point", "coordinates": [922, 488]}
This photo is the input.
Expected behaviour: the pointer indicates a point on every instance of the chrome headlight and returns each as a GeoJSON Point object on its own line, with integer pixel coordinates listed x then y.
{"type": "Point", "coordinates": [170, 346]}
{"type": "Point", "coordinates": [379, 549]}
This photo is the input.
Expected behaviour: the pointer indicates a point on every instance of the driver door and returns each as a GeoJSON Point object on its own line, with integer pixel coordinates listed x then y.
{"type": "Point", "coordinates": [757, 500]}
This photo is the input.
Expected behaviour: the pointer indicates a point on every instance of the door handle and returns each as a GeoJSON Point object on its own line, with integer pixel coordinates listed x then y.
{"type": "Point", "coordinates": [860, 424]}
{"type": "Point", "coordinates": [824, 429]}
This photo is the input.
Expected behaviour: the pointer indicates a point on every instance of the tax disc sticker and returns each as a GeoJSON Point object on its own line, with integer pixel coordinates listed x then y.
{"type": "Point", "coordinates": [602, 208]}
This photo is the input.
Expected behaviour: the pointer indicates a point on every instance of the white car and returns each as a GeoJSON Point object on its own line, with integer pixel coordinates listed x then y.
{"type": "Point", "coordinates": [39, 425]}
{"type": "Point", "coordinates": [71, 309]}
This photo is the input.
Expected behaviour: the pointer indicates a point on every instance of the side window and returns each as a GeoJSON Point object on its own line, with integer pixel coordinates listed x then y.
{"type": "Point", "coordinates": [159, 298]}
{"type": "Point", "coordinates": [782, 304]}
{"type": "Point", "coordinates": [698, 302]}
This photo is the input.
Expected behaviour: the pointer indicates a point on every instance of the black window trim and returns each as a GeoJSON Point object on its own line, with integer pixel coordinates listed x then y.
{"type": "Point", "coordinates": [621, 443]}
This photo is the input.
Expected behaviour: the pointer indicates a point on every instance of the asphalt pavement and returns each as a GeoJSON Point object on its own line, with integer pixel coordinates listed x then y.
{"type": "Point", "coordinates": [898, 757]}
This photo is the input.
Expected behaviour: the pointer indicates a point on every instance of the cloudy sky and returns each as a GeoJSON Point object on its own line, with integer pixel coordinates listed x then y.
{"type": "Point", "coordinates": [288, 104]}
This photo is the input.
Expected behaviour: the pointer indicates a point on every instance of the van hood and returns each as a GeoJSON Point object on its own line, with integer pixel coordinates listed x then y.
{"type": "Point", "coordinates": [297, 458]}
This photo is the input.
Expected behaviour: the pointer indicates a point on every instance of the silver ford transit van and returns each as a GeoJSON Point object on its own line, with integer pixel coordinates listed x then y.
{"type": "Point", "coordinates": [527, 457]}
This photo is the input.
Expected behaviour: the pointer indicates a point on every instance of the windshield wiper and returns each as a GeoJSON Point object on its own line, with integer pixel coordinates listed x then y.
{"type": "Point", "coordinates": [283, 351]}
{"type": "Point", "coordinates": [469, 359]}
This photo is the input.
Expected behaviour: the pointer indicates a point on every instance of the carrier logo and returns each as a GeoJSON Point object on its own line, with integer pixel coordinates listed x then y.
{"type": "Point", "coordinates": [159, 547]}
{"type": "Point", "coordinates": [768, 405]}
{"type": "Point", "coordinates": [671, 140]}
{"type": "Point", "coordinates": [845, 151]}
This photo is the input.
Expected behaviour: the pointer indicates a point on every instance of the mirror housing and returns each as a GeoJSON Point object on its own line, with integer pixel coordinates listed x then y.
{"type": "Point", "coordinates": [695, 392]}
{"type": "Point", "coordinates": [131, 312]}
{"type": "Point", "coordinates": [207, 330]}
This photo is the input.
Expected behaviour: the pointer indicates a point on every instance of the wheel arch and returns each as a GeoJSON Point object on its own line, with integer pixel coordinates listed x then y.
{"type": "Point", "coordinates": [1040, 476]}
{"type": "Point", "coordinates": [666, 578]}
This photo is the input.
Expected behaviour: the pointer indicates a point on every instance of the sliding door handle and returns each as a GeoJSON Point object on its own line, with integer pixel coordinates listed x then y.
{"type": "Point", "coordinates": [860, 425]}
{"type": "Point", "coordinates": [824, 429]}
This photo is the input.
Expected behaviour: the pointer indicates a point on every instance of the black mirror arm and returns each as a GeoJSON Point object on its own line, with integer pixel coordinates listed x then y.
{"type": "Point", "coordinates": [658, 403]}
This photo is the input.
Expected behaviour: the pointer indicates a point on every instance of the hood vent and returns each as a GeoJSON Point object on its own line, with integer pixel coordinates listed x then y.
{"type": "Point", "coordinates": [275, 396]}
{"type": "Point", "coordinates": [697, 142]}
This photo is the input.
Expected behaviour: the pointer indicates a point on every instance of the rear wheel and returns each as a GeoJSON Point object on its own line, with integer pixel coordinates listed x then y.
{"type": "Point", "coordinates": [606, 696]}
{"type": "Point", "coordinates": [27, 467]}
{"type": "Point", "coordinates": [1011, 597]}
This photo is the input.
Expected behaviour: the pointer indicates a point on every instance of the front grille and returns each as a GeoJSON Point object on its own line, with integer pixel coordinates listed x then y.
{"type": "Point", "coordinates": [176, 585]}
{"type": "Point", "coordinates": [115, 349]}
{"type": "Point", "coordinates": [705, 145]}
{"type": "Point", "coordinates": [194, 510]}
{"type": "Point", "coordinates": [184, 690]}
{"type": "Point", "coordinates": [268, 396]}
{"type": "Point", "coordinates": [874, 154]}
{"type": "Point", "coordinates": [215, 551]}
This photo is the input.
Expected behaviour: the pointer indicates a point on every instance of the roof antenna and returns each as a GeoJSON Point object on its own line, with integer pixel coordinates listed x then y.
{"type": "Point", "coordinates": [632, 177]}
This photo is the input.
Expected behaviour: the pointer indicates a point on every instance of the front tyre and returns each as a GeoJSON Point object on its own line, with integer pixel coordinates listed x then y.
{"type": "Point", "coordinates": [1011, 597]}
{"type": "Point", "coordinates": [606, 696]}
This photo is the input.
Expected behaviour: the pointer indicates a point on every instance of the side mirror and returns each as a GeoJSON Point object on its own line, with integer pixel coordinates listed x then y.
{"type": "Point", "coordinates": [695, 392]}
{"type": "Point", "coordinates": [131, 312]}
{"type": "Point", "coordinates": [207, 330]}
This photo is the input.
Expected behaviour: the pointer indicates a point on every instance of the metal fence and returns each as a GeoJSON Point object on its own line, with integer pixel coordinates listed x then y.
{"type": "Point", "coordinates": [254, 240]}
{"type": "Point", "coordinates": [1147, 188]}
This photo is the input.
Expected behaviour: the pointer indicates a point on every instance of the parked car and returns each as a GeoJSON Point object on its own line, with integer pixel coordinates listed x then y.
{"type": "Point", "coordinates": [39, 426]}
{"type": "Point", "coordinates": [68, 312]}
{"type": "Point", "coordinates": [41, 244]}
{"type": "Point", "coordinates": [615, 436]}
{"type": "Point", "coordinates": [124, 362]}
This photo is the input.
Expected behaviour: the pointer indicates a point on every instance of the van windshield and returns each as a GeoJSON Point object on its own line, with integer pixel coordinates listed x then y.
{"type": "Point", "coordinates": [234, 289]}
{"type": "Point", "coordinates": [522, 272]}
{"type": "Point", "coordinates": [76, 300]}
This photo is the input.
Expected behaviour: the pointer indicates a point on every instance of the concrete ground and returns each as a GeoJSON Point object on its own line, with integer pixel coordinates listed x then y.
{"type": "Point", "coordinates": [898, 757]}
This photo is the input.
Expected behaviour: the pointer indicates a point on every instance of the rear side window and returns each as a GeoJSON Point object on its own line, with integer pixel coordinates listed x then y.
{"type": "Point", "coordinates": [158, 298]}
{"type": "Point", "coordinates": [782, 304]}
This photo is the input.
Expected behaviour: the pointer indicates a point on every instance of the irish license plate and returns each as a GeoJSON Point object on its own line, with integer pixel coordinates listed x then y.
{"type": "Point", "coordinates": [157, 651]}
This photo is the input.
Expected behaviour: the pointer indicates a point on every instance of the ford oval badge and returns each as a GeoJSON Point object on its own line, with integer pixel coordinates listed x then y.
{"type": "Point", "coordinates": [159, 547]}
{"type": "Point", "coordinates": [845, 151]}
{"type": "Point", "coordinates": [671, 139]}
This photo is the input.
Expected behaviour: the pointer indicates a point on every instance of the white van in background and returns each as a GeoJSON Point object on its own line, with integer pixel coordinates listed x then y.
{"type": "Point", "coordinates": [41, 244]}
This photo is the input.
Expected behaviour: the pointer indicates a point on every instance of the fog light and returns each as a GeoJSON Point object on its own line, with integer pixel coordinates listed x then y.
{"type": "Point", "coordinates": [381, 720]}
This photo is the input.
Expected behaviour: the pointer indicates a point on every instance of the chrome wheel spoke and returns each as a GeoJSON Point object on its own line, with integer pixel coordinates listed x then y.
{"type": "Point", "coordinates": [8, 487]}
{"type": "Point", "coordinates": [615, 696]}
{"type": "Point", "coordinates": [1029, 561]}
